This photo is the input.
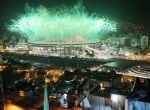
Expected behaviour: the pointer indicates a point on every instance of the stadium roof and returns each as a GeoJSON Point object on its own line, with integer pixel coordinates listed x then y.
{"type": "Point", "coordinates": [125, 63]}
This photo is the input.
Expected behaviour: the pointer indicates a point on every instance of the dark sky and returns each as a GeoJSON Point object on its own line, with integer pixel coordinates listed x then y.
{"type": "Point", "coordinates": [137, 11]}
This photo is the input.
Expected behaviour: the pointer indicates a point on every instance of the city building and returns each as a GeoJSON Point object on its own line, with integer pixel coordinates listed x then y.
{"type": "Point", "coordinates": [1, 84]}
{"type": "Point", "coordinates": [1, 45]}
{"type": "Point", "coordinates": [144, 41]}
{"type": "Point", "coordinates": [126, 42]}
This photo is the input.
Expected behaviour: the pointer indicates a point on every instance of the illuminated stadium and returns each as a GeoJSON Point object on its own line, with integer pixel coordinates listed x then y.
{"type": "Point", "coordinates": [70, 30]}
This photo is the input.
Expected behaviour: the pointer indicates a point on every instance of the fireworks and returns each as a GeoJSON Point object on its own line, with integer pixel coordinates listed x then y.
{"type": "Point", "coordinates": [43, 25]}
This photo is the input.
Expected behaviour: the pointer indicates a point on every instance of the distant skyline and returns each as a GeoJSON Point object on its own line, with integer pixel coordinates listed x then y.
{"type": "Point", "coordinates": [136, 11]}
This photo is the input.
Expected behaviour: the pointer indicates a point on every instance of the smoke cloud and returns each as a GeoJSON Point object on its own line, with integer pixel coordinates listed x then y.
{"type": "Point", "coordinates": [57, 24]}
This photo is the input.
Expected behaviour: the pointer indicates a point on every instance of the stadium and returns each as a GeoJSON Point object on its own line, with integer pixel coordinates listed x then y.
{"type": "Point", "coordinates": [81, 50]}
{"type": "Point", "coordinates": [62, 32]}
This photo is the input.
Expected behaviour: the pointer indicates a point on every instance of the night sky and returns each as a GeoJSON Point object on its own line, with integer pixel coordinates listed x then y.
{"type": "Point", "coordinates": [136, 11]}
